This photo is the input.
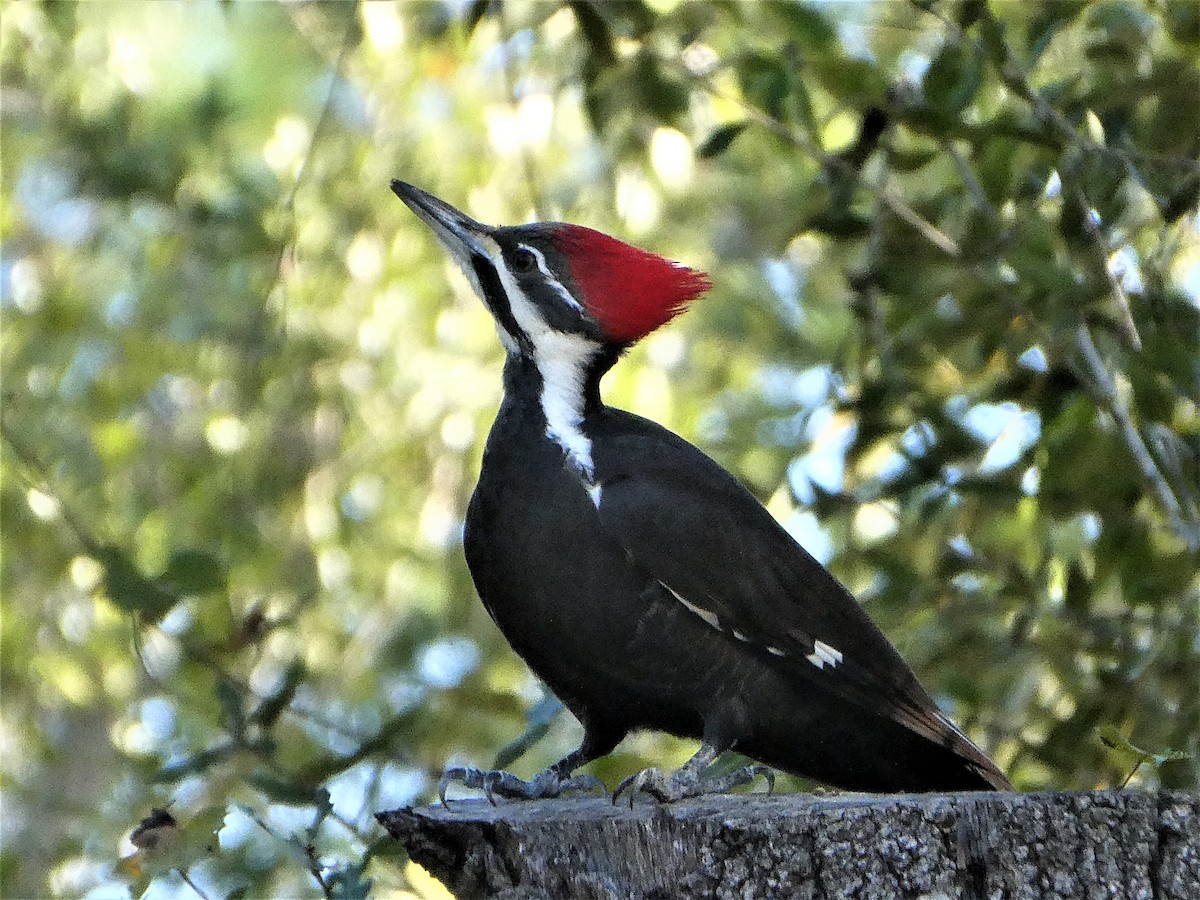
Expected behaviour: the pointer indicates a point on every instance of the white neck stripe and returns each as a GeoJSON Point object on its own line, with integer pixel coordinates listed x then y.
{"type": "Point", "coordinates": [562, 359]}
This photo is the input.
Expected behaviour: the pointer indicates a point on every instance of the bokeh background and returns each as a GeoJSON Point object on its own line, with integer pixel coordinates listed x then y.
{"type": "Point", "coordinates": [953, 343]}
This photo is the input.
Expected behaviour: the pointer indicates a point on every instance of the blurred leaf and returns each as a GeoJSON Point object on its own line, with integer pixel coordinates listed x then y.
{"type": "Point", "coordinates": [129, 589]}
{"type": "Point", "coordinates": [660, 91]}
{"type": "Point", "coordinates": [1182, 20]}
{"type": "Point", "coordinates": [809, 27]}
{"type": "Point", "coordinates": [1051, 27]}
{"type": "Point", "coordinates": [595, 32]}
{"type": "Point", "coordinates": [765, 82]}
{"type": "Point", "coordinates": [912, 160]}
{"type": "Point", "coordinates": [1150, 576]}
{"type": "Point", "coordinates": [968, 12]}
{"type": "Point", "coordinates": [1084, 460]}
{"type": "Point", "coordinates": [1124, 27]}
{"type": "Point", "coordinates": [857, 82]}
{"type": "Point", "coordinates": [719, 141]}
{"type": "Point", "coordinates": [952, 80]}
{"type": "Point", "coordinates": [1176, 85]}
{"type": "Point", "coordinates": [1183, 198]}
{"type": "Point", "coordinates": [194, 572]}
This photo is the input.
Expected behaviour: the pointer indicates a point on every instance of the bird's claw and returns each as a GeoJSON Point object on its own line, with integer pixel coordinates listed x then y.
{"type": "Point", "coordinates": [495, 784]}
{"type": "Point", "coordinates": [649, 781]}
{"type": "Point", "coordinates": [750, 772]}
{"type": "Point", "coordinates": [687, 783]}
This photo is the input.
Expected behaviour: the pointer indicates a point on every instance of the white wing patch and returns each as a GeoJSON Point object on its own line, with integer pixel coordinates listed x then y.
{"type": "Point", "coordinates": [824, 655]}
{"type": "Point", "coordinates": [706, 615]}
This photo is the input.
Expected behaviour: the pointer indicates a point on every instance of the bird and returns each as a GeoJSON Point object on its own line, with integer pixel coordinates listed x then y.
{"type": "Point", "coordinates": [643, 583]}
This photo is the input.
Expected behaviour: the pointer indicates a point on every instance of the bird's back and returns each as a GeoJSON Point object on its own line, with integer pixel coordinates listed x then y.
{"type": "Point", "coordinates": [832, 698]}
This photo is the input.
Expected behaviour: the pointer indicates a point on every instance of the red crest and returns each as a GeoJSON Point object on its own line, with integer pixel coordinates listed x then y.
{"type": "Point", "coordinates": [628, 291]}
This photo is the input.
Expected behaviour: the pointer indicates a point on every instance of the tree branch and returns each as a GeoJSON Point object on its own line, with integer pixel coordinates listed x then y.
{"type": "Point", "coordinates": [1104, 388]}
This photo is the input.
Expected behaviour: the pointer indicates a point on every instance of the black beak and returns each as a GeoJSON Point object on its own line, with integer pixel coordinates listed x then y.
{"type": "Point", "coordinates": [457, 232]}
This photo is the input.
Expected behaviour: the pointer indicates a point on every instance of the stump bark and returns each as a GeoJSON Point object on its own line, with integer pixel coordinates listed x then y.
{"type": "Point", "coordinates": [1099, 844]}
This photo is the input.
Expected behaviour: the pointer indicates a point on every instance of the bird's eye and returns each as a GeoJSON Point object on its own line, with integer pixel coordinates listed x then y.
{"type": "Point", "coordinates": [524, 260]}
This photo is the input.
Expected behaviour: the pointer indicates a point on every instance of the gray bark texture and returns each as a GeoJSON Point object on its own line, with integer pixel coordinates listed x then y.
{"type": "Point", "coordinates": [1099, 844]}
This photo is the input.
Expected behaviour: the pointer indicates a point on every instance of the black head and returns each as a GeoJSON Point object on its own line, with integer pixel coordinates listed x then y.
{"type": "Point", "coordinates": [558, 278]}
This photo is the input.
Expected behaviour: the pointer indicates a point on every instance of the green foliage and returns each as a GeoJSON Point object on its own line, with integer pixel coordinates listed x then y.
{"type": "Point", "coordinates": [952, 342]}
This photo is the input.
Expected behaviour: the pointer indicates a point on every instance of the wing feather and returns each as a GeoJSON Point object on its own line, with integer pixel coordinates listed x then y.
{"type": "Point", "coordinates": [699, 532]}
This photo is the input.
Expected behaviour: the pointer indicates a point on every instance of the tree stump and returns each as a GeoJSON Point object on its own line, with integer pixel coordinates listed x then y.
{"type": "Point", "coordinates": [1111, 844]}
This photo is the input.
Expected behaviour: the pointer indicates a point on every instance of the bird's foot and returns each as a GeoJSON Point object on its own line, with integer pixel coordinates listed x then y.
{"type": "Point", "coordinates": [548, 783]}
{"type": "Point", "coordinates": [689, 782]}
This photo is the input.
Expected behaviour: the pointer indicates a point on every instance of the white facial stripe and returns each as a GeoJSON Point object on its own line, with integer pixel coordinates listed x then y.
{"type": "Point", "coordinates": [550, 279]}
{"type": "Point", "coordinates": [562, 359]}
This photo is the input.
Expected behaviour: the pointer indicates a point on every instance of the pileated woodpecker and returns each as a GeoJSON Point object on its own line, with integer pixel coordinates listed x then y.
{"type": "Point", "coordinates": [640, 580]}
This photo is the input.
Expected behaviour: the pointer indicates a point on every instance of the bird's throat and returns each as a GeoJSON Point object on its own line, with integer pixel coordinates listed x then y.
{"type": "Point", "coordinates": [562, 380]}
{"type": "Point", "coordinates": [564, 362]}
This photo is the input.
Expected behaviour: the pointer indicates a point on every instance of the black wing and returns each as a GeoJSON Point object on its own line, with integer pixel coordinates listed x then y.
{"type": "Point", "coordinates": [692, 525]}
